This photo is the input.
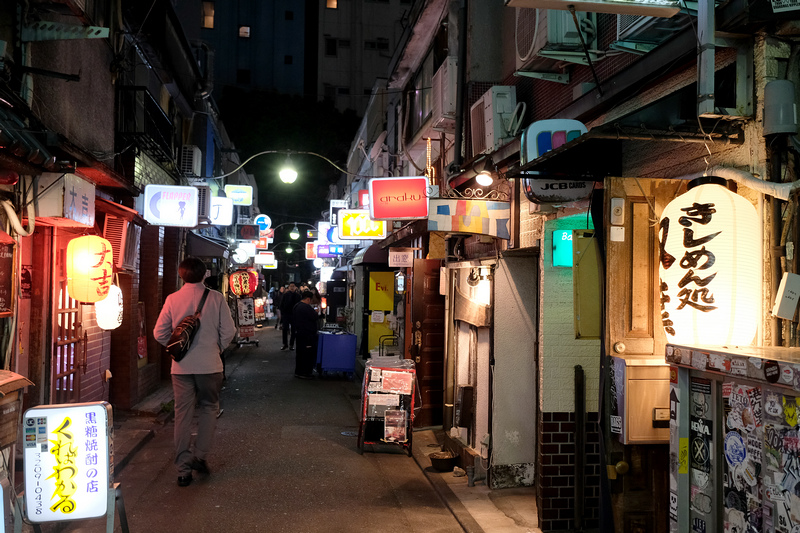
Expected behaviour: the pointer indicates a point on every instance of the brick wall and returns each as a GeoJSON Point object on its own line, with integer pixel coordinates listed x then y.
{"type": "Point", "coordinates": [555, 494]}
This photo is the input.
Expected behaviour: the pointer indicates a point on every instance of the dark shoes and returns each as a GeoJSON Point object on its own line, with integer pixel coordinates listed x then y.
{"type": "Point", "coordinates": [200, 465]}
{"type": "Point", "coordinates": [284, 348]}
{"type": "Point", "coordinates": [291, 348]}
{"type": "Point", "coordinates": [301, 376]}
{"type": "Point", "coordinates": [184, 481]}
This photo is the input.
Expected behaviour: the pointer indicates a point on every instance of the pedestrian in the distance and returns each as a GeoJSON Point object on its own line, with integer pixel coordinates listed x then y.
{"type": "Point", "coordinates": [288, 301]}
{"type": "Point", "coordinates": [276, 305]}
{"type": "Point", "coordinates": [197, 378]}
{"type": "Point", "coordinates": [306, 323]}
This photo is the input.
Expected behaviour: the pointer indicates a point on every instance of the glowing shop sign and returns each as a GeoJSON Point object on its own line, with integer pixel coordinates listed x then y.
{"type": "Point", "coordinates": [170, 205]}
{"type": "Point", "coordinates": [66, 461]}
{"type": "Point", "coordinates": [355, 224]}
{"type": "Point", "coordinates": [709, 257]}
{"type": "Point", "coordinates": [398, 198]}
{"type": "Point", "coordinates": [562, 248]}
{"type": "Point", "coordinates": [221, 211]}
{"type": "Point", "coordinates": [240, 194]}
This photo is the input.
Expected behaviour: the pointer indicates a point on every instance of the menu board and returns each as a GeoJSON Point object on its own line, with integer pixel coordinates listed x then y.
{"type": "Point", "coordinates": [6, 278]}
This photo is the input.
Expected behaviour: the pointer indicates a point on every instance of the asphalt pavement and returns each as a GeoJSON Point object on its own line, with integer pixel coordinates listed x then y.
{"type": "Point", "coordinates": [286, 460]}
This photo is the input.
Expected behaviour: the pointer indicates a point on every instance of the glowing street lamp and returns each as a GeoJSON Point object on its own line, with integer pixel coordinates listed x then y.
{"type": "Point", "coordinates": [288, 174]}
{"type": "Point", "coordinates": [295, 233]}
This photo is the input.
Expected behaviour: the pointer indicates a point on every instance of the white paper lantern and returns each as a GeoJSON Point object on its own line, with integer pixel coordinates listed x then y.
{"type": "Point", "coordinates": [710, 266]}
{"type": "Point", "coordinates": [108, 311]}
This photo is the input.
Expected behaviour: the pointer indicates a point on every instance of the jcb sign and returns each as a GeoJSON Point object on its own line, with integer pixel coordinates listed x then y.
{"type": "Point", "coordinates": [355, 224]}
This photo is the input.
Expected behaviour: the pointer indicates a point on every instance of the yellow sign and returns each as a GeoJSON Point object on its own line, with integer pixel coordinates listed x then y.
{"type": "Point", "coordinates": [355, 224]}
{"type": "Point", "coordinates": [683, 456]}
{"type": "Point", "coordinates": [381, 291]}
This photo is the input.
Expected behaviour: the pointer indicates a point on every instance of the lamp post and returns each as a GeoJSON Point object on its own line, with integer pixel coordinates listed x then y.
{"type": "Point", "coordinates": [287, 173]}
{"type": "Point", "coordinates": [295, 233]}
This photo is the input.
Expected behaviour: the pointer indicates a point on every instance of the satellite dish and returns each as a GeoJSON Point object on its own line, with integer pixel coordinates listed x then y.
{"type": "Point", "coordinates": [377, 146]}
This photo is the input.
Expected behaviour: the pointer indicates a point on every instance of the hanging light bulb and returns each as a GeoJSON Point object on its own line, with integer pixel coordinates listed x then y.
{"type": "Point", "coordinates": [295, 234]}
{"type": "Point", "coordinates": [288, 174]}
{"type": "Point", "coordinates": [484, 178]}
{"type": "Point", "coordinates": [288, 248]}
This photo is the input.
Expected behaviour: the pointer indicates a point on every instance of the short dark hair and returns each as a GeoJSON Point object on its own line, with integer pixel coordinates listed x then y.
{"type": "Point", "coordinates": [192, 270]}
{"type": "Point", "coordinates": [307, 294]}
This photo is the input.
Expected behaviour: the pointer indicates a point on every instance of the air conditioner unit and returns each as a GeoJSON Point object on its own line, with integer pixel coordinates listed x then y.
{"type": "Point", "coordinates": [544, 37]}
{"type": "Point", "coordinates": [490, 118]}
{"type": "Point", "coordinates": [444, 96]}
{"type": "Point", "coordinates": [191, 160]}
{"type": "Point", "coordinates": [124, 238]}
{"type": "Point", "coordinates": [203, 203]}
{"type": "Point", "coordinates": [650, 30]}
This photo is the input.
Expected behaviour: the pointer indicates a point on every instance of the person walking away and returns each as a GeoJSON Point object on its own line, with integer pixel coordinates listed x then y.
{"type": "Point", "coordinates": [288, 301]}
{"type": "Point", "coordinates": [306, 323]}
{"type": "Point", "coordinates": [197, 378]}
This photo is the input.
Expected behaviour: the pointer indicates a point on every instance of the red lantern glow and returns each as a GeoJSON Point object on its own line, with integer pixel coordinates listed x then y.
{"type": "Point", "coordinates": [243, 282]}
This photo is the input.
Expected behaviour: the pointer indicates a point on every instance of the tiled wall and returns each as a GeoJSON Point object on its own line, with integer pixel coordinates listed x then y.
{"type": "Point", "coordinates": [555, 495]}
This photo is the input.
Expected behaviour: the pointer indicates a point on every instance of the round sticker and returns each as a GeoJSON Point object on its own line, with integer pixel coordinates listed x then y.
{"type": "Point", "coordinates": [735, 448]}
{"type": "Point", "coordinates": [772, 372]}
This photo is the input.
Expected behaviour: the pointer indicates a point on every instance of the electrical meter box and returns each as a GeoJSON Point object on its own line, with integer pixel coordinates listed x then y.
{"type": "Point", "coordinates": [640, 400]}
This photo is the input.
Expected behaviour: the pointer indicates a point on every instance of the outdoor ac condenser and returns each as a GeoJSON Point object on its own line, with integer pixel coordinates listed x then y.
{"type": "Point", "coordinates": [490, 118]}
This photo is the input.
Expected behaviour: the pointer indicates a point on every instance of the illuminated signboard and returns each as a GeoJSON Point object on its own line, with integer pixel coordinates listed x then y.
{"type": "Point", "coordinates": [240, 194]}
{"type": "Point", "coordinates": [363, 198]}
{"type": "Point", "coordinates": [336, 206]}
{"type": "Point", "coordinates": [264, 258]}
{"type": "Point", "coordinates": [562, 248]}
{"type": "Point", "coordinates": [66, 461]}
{"type": "Point", "coordinates": [170, 205]}
{"type": "Point", "coordinates": [311, 250]}
{"type": "Point", "coordinates": [329, 250]}
{"type": "Point", "coordinates": [221, 211]}
{"type": "Point", "coordinates": [398, 198]}
{"type": "Point", "coordinates": [247, 232]}
{"type": "Point", "coordinates": [327, 234]}
{"type": "Point", "coordinates": [355, 224]}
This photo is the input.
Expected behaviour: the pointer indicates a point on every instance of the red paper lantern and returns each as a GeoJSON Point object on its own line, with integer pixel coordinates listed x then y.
{"type": "Point", "coordinates": [89, 268]}
{"type": "Point", "coordinates": [243, 282]}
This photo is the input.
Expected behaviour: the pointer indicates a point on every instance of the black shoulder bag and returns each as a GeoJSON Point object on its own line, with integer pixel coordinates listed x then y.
{"type": "Point", "coordinates": [184, 333]}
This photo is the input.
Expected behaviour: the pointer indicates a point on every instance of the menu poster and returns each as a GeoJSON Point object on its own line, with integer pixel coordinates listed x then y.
{"type": "Point", "coordinates": [6, 279]}
{"type": "Point", "coordinates": [400, 382]}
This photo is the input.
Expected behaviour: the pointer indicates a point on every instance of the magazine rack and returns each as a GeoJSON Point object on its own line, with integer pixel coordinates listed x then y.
{"type": "Point", "coordinates": [387, 403]}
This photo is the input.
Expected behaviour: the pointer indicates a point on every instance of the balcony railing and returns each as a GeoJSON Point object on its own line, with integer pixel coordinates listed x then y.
{"type": "Point", "coordinates": [142, 121]}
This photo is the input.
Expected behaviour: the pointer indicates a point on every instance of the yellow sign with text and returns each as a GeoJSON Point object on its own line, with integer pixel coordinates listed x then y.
{"type": "Point", "coordinates": [355, 224]}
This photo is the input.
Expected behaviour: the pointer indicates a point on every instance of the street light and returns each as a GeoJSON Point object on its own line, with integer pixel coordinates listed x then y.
{"type": "Point", "coordinates": [288, 174]}
{"type": "Point", "coordinates": [295, 233]}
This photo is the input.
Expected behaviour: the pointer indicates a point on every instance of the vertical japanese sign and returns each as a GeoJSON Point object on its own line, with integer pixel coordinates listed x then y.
{"type": "Point", "coordinates": [67, 461]}
{"type": "Point", "coordinates": [6, 278]}
{"type": "Point", "coordinates": [78, 200]}
{"type": "Point", "coordinates": [247, 317]}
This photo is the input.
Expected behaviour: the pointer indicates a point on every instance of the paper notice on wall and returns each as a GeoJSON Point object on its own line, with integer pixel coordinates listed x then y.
{"type": "Point", "coordinates": [392, 400]}
{"type": "Point", "coordinates": [377, 317]}
{"type": "Point", "coordinates": [784, 5]}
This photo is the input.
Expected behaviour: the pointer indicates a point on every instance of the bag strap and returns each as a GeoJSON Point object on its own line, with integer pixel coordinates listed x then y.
{"type": "Point", "coordinates": [202, 302]}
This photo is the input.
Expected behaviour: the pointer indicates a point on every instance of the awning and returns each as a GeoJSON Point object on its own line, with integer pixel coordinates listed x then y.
{"type": "Point", "coordinates": [340, 274]}
{"type": "Point", "coordinates": [199, 246]}
{"type": "Point", "coordinates": [598, 154]}
{"type": "Point", "coordinates": [104, 206]}
{"type": "Point", "coordinates": [372, 254]}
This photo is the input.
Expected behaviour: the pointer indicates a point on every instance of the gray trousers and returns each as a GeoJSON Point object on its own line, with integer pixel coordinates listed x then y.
{"type": "Point", "coordinates": [201, 390]}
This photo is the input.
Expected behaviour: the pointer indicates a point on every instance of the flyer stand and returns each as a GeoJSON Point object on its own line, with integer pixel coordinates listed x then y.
{"type": "Point", "coordinates": [388, 403]}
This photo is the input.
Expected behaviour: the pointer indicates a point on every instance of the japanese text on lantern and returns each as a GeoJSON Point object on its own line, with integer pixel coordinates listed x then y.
{"type": "Point", "coordinates": [101, 271]}
{"type": "Point", "coordinates": [694, 288]}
